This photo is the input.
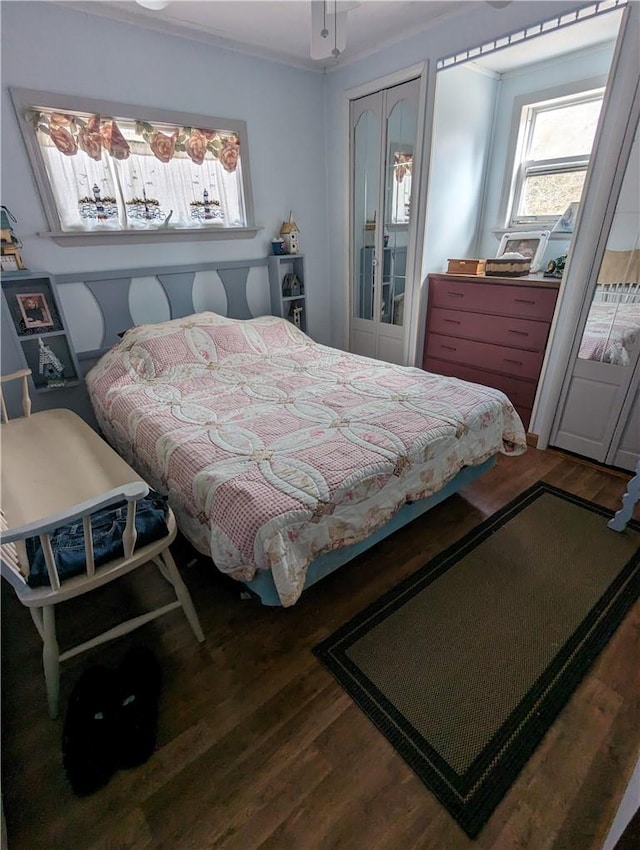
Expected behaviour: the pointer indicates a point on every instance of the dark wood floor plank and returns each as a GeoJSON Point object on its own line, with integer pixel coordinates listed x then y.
{"type": "Point", "coordinates": [259, 747]}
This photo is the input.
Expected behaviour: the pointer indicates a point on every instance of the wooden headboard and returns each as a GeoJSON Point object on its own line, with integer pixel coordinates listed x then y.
{"type": "Point", "coordinates": [98, 306]}
{"type": "Point", "coordinates": [113, 301]}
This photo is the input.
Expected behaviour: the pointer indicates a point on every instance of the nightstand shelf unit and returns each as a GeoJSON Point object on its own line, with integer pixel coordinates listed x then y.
{"type": "Point", "coordinates": [41, 339]}
{"type": "Point", "coordinates": [287, 288]}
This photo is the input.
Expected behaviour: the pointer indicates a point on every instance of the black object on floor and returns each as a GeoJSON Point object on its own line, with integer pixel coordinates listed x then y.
{"type": "Point", "coordinates": [88, 738]}
{"type": "Point", "coordinates": [139, 684]}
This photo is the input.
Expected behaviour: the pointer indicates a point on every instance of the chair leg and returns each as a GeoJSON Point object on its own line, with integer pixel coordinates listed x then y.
{"type": "Point", "coordinates": [169, 570]}
{"type": "Point", "coordinates": [51, 659]}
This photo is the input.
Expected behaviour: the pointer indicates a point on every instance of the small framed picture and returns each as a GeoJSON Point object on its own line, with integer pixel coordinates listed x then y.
{"type": "Point", "coordinates": [34, 310]}
{"type": "Point", "coordinates": [531, 245]}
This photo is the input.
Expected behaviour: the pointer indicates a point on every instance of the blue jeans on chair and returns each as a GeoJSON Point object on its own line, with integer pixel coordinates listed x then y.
{"type": "Point", "coordinates": [107, 527]}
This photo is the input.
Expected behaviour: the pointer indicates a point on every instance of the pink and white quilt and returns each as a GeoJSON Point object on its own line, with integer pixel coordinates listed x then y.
{"type": "Point", "coordinates": [611, 333]}
{"type": "Point", "coordinates": [274, 449]}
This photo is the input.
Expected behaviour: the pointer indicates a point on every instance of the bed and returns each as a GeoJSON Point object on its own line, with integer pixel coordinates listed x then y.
{"type": "Point", "coordinates": [282, 458]}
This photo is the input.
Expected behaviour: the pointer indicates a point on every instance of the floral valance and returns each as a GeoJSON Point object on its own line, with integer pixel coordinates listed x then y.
{"type": "Point", "coordinates": [94, 134]}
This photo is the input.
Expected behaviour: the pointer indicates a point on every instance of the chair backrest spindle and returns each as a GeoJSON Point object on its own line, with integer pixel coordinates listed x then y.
{"type": "Point", "coordinates": [50, 561]}
{"type": "Point", "coordinates": [26, 398]}
{"type": "Point", "coordinates": [88, 545]}
{"type": "Point", "coordinates": [130, 534]}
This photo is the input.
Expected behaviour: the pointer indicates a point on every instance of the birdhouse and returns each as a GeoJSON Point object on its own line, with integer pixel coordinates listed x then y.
{"type": "Point", "coordinates": [290, 233]}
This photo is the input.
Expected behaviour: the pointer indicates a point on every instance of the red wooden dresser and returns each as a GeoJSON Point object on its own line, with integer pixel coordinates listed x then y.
{"type": "Point", "coordinates": [490, 330]}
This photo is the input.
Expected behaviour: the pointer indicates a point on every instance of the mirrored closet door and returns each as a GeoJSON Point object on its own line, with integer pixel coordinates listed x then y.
{"type": "Point", "coordinates": [600, 417]}
{"type": "Point", "coordinates": [383, 143]}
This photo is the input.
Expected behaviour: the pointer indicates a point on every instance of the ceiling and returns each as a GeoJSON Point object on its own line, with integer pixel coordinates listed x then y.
{"type": "Point", "coordinates": [282, 30]}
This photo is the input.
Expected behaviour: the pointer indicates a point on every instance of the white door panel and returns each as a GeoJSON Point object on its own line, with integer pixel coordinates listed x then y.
{"type": "Point", "coordinates": [382, 217]}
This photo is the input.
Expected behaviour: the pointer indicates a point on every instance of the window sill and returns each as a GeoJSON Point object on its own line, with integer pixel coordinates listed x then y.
{"type": "Point", "coordinates": [132, 237]}
{"type": "Point", "coordinates": [499, 232]}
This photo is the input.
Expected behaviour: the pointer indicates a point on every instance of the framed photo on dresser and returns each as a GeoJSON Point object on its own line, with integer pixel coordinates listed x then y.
{"type": "Point", "coordinates": [531, 244]}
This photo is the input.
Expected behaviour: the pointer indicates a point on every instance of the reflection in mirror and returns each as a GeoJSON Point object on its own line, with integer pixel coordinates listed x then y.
{"type": "Point", "coordinates": [366, 184]}
{"type": "Point", "coordinates": [401, 187]}
{"type": "Point", "coordinates": [612, 332]}
{"type": "Point", "coordinates": [401, 132]}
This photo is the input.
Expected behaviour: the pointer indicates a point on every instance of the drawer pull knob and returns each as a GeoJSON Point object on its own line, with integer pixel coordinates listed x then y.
{"type": "Point", "coordinates": [456, 294]}
{"type": "Point", "coordinates": [519, 333]}
{"type": "Point", "coordinates": [524, 301]}
{"type": "Point", "coordinates": [515, 362]}
{"type": "Point", "coordinates": [453, 322]}
{"type": "Point", "coordinates": [449, 347]}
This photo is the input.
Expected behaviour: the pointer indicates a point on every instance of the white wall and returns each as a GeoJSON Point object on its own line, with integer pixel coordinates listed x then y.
{"type": "Point", "coordinates": [625, 228]}
{"type": "Point", "coordinates": [53, 48]}
{"type": "Point", "coordinates": [462, 128]}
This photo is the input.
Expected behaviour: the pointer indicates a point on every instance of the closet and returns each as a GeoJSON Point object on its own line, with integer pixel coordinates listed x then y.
{"type": "Point", "coordinates": [383, 129]}
{"type": "Point", "coordinates": [599, 413]}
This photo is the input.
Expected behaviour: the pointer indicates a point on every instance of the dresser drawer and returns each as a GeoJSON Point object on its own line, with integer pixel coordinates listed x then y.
{"type": "Point", "coordinates": [493, 358]}
{"type": "Point", "coordinates": [527, 302]}
{"type": "Point", "coordinates": [519, 392]}
{"type": "Point", "coordinates": [519, 333]}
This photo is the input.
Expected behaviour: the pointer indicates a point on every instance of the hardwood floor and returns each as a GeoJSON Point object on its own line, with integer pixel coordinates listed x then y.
{"type": "Point", "coordinates": [260, 747]}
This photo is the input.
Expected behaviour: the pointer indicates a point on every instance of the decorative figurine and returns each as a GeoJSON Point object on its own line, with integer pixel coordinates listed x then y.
{"type": "Point", "coordinates": [277, 246]}
{"type": "Point", "coordinates": [555, 268]}
{"type": "Point", "coordinates": [290, 233]}
{"type": "Point", "coordinates": [11, 259]}
{"type": "Point", "coordinates": [50, 366]}
{"type": "Point", "coordinates": [297, 317]}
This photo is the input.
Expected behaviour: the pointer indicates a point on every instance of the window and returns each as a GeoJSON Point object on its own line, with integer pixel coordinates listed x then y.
{"type": "Point", "coordinates": [114, 169]}
{"type": "Point", "coordinates": [554, 146]}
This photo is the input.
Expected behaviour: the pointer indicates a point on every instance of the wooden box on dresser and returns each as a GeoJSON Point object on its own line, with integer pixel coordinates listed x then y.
{"type": "Point", "coordinates": [490, 330]}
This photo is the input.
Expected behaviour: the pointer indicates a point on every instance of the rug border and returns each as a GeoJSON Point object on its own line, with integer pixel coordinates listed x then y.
{"type": "Point", "coordinates": [471, 798]}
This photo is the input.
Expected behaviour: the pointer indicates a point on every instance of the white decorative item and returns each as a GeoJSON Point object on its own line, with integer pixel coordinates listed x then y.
{"type": "Point", "coordinates": [49, 365]}
{"type": "Point", "coordinates": [290, 233]}
{"type": "Point", "coordinates": [531, 245]}
{"type": "Point", "coordinates": [566, 222]}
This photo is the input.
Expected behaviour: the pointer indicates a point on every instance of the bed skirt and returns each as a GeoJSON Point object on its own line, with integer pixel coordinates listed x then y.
{"type": "Point", "coordinates": [262, 584]}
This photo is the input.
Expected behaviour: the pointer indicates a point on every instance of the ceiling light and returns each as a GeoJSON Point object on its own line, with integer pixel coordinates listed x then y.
{"type": "Point", "coordinates": [329, 27]}
{"type": "Point", "coordinates": [155, 5]}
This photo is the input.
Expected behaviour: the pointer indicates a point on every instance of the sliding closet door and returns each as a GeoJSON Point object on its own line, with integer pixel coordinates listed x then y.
{"type": "Point", "coordinates": [384, 129]}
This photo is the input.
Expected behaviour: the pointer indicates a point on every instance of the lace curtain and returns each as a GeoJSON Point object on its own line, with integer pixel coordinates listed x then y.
{"type": "Point", "coordinates": [96, 189]}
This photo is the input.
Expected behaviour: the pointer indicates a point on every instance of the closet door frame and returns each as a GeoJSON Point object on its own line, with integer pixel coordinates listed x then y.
{"type": "Point", "coordinates": [610, 155]}
{"type": "Point", "coordinates": [618, 384]}
{"type": "Point", "coordinates": [424, 120]}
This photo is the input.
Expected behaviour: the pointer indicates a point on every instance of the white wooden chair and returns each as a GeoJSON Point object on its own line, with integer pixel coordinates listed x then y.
{"type": "Point", "coordinates": [41, 601]}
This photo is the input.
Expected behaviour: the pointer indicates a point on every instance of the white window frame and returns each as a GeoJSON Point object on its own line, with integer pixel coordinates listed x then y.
{"type": "Point", "coordinates": [24, 99]}
{"type": "Point", "coordinates": [557, 165]}
{"type": "Point", "coordinates": [520, 135]}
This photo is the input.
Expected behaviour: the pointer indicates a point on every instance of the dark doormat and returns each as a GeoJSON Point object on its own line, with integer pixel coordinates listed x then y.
{"type": "Point", "coordinates": [465, 665]}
